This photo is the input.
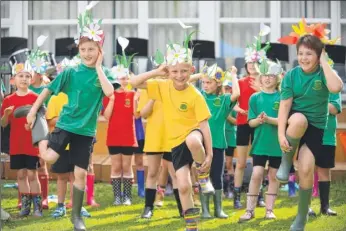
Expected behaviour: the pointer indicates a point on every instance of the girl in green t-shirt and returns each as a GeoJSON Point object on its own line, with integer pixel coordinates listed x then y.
{"type": "Point", "coordinates": [303, 116]}
{"type": "Point", "coordinates": [263, 113]}
{"type": "Point", "coordinates": [220, 105]}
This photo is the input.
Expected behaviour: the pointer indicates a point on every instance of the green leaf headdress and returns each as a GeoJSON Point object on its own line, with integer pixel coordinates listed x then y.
{"type": "Point", "coordinates": [123, 62]}
{"type": "Point", "coordinates": [176, 53]}
{"type": "Point", "coordinates": [36, 57]}
{"type": "Point", "coordinates": [254, 53]}
{"type": "Point", "coordinates": [88, 28]}
{"type": "Point", "coordinates": [268, 67]}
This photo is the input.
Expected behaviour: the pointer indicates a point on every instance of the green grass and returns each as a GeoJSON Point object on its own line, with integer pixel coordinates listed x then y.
{"type": "Point", "coordinates": [109, 217]}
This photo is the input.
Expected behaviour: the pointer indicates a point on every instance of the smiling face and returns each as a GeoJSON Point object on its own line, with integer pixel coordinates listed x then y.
{"type": "Point", "coordinates": [89, 51]}
{"type": "Point", "coordinates": [22, 80]}
{"type": "Point", "coordinates": [269, 82]}
{"type": "Point", "coordinates": [251, 69]}
{"type": "Point", "coordinates": [307, 59]}
{"type": "Point", "coordinates": [180, 74]}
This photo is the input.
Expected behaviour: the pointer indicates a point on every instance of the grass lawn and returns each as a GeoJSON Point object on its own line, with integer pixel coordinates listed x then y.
{"type": "Point", "coordinates": [109, 217]}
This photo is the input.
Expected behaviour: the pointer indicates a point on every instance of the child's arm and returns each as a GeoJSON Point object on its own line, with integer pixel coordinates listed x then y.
{"type": "Point", "coordinates": [195, 77]}
{"type": "Point", "coordinates": [109, 109]}
{"type": "Point", "coordinates": [334, 82]}
{"type": "Point", "coordinates": [271, 120]}
{"type": "Point", "coordinates": [106, 85]}
{"type": "Point", "coordinates": [205, 129]}
{"type": "Point", "coordinates": [38, 103]}
{"type": "Point", "coordinates": [147, 109]}
{"type": "Point", "coordinates": [239, 110]}
{"type": "Point", "coordinates": [136, 96]}
{"type": "Point", "coordinates": [257, 121]}
{"type": "Point", "coordinates": [235, 85]}
{"type": "Point", "coordinates": [232, 120]}
{"type": "Point", "coordinates": [139, 81]}
{"type": "Point", "coordinates": [7, 113]}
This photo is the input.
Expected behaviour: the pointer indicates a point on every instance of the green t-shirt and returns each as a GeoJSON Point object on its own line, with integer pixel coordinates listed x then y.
{"type": "Point", "coordinates": [231, 131]}
{"type": "Point", "coordinates": [84, 92]}
{"type": "Point", "coordinates": [310, 94]}
{"type": "Point", "coordinates": [220, 107]}
{"type": "Point", "coordinates": [266, 140]}
{"type": "Point", "coordinates": [38, 91]}
{"type": "Point", "coordinates": [329, 137]}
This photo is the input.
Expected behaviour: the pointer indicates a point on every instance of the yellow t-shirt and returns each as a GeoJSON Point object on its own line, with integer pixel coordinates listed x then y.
{"type": "Point", "coordinates": [183, 110]}
{"type": "Point", "coordinates": [155, 137]}
{"type": "Point", "coordinates": [55, 106]}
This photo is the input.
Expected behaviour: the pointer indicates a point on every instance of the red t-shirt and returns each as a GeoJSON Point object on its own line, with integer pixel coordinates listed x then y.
{"type": "Point", "coordinates": [121, 128]}
{"type": "Point", "coordinates": [20, 138]}
{"type": "Point", "coordinates": [245, 93]}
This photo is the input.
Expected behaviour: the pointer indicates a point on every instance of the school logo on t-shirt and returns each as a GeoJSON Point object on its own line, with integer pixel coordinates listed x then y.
{"type": "Point", "coordinates": [127, 103]}
{"type": "Point", "coordinates": [317, 85]}
{"type": "Point", "coordinates": [217, 102]}
{"type": "Point", "coordinates": [276, 105]}
{"type": "Point", "coordinates": [183, 107]}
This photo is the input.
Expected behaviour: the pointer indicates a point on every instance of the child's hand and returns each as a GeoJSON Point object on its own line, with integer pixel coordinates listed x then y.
{"type": "Point", "coordinates": [99, 58]}
{"type": "Point", "coordinates": [242, 111]}
{"type": "Point", "coordinates": [30, 119]}
{"type": "Point", "coordinates": [234, 70]}
{"type": "Point", "coordinates": [136, 96]}
{"type": "Point", "coordinates": [323, 57]}
{"type": "Point", "coordinates": [255, 85]}
{"type": "Point", "coordinates": [162, 71]}
{"type": "Point", "coordinates": [8, 110]}
{"type": "Point", "coordinates": [206, 164]}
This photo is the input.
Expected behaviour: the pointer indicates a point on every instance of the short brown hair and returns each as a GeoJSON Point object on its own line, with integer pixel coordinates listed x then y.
{"type": "Point", "coordinates": [85, 39]}
{"type": "Point", "coordinates": [312, 42]}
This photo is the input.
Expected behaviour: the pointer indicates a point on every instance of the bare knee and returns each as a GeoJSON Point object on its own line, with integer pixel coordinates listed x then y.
{"type": "Point", "coordinates": [193, 142]}
{"type": "Point", "coordinates": [32, 175]}
{"type": "Point", "coordinates": [184, 187]}
{"type": "Point", "coordinates": [63, 177]}
{"type": "Point", "coordinates": [257, 177]}
{"type": "Point", "coordinates": [299, 121]}
{"type": "Point", "coordinates": [22, 174]}
{"type": "Point", "coordinates": [241, 165]}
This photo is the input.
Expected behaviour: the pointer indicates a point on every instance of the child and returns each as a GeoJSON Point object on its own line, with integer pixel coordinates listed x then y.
{"type": "Point", "coordinates": [220, 105]}
{"type": "Point", "coordinates": [248, 85]}
{"type": "Point", "coordinates": [231, 137]}
{"type": "Point", "coordinates": [186, 117]}
{"type": "Point", "coordinates": [263, 113]}
{"type": "Point", "coordinates": [85, 86]}
{"type": "Point", "coordinates": [121, 138]}
{"type": "Point", "coordinates": [157, 151]}
{"type": "Point", "coordinates": [23, 155]}
{"type": "Point", "coordinates": [303, 112]}
{"type": "Point", "coordinates": [329, 146]}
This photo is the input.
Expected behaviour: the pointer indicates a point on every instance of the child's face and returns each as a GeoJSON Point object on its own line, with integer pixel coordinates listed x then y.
{"type": "Point", "coordinates": [123, 81]}
{"type": "Point", "coordinates": [89, 52]}
{"type": "Point", "coordinates": [307, 59]}
{"type": "Point", "coordinates": [36, 78]}
{"type": "Point", "coordinates": [180, 74]}
{"type": "Point", "coordinates": [269, 81]}
{"type": "Point", "coordinates": [227, 89]}
{"type": "Point", "coordinates": [22, 80]}
{"type": "Point", "coordinates": [209, 85]}
{"type": "Point", "coordinates": [251, 68]}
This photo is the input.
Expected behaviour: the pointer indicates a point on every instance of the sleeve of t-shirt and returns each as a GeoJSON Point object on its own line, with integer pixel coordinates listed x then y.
{"type": "Point", "coordinates": [153, 88]}
{"type": "Point", "coordinates": [201, 109]}
{"type": "Point", "coordinates": [335, 100]}
{"type": "Point", "coordinates": [51, 109]}
{"type": "Point", "coordinates": [286, 87]}
{"type": "Point", "coordinates": [252, 113]}
{"type": "Point", "coordinates": [143, 100]}
{"type": "Point", "coordinates": [229, 102]}
{"type": "Point", "coordinates": [58, 84]}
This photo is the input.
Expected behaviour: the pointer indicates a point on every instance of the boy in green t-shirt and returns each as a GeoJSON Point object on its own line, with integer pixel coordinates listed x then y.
{"type": "Point", "coordinates": [85, 85]}
{"type": "Point", "coordinates": [263, 113]}
{"type": "Point", "coordinates": [303, 114]}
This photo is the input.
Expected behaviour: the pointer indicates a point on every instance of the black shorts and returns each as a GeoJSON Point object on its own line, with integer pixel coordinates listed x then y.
{"type": "Point", "coordinates": [328, 157]}
{"type": "Point", "coordinates": [167, 156]}
{"type": "Point", "coordinates": [230, 151]}
{"type": "Point", "coordinates": [23, 161]}
{"type": "Point", "coordinates": [81, 146]}
{"type": "Point", "coordinates": [63, 164]}
{"type": "Point", "coordinates": [244, 133]}
{"type": "Point", "coordinates": [261, 160]}
{"type": "Point", "coordinates": [313, 138]}
{"type": "Point", "coordinates": [114, 150]}
{"type": "Point", "coordinates": [181, 155]}
{"type": "Point", "coordinates": [139, 149]}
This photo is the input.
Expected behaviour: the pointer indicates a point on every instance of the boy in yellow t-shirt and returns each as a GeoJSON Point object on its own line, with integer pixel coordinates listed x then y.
{"type": "Point", "coordinates": [186, 117]}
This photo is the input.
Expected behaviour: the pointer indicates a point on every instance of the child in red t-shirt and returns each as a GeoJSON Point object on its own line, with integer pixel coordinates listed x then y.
{"type": "Point", "coordinates": [23, 155]}
{"type": "Point", "coordinates": [119, 110]}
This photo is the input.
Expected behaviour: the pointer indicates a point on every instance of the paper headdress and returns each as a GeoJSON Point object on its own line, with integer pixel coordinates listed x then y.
{"type": "Point", "coordinates": [254, 52]}
{"type": "Point", "coordinates": [88, 28]}
{"type": "Point", "coordinates": [268, 67]}
{"type": "Point", "coordinates": [176, 53]}
{"type": "Point", "coordinates": [123, 62]}
{"type": "Point", "coordinates": [75, 61]}
{"type": "Point", "coordinates": [216, 73]}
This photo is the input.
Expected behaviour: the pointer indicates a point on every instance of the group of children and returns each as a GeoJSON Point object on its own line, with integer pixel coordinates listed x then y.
{"type": "Point", "coordinates": [193, 132]}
